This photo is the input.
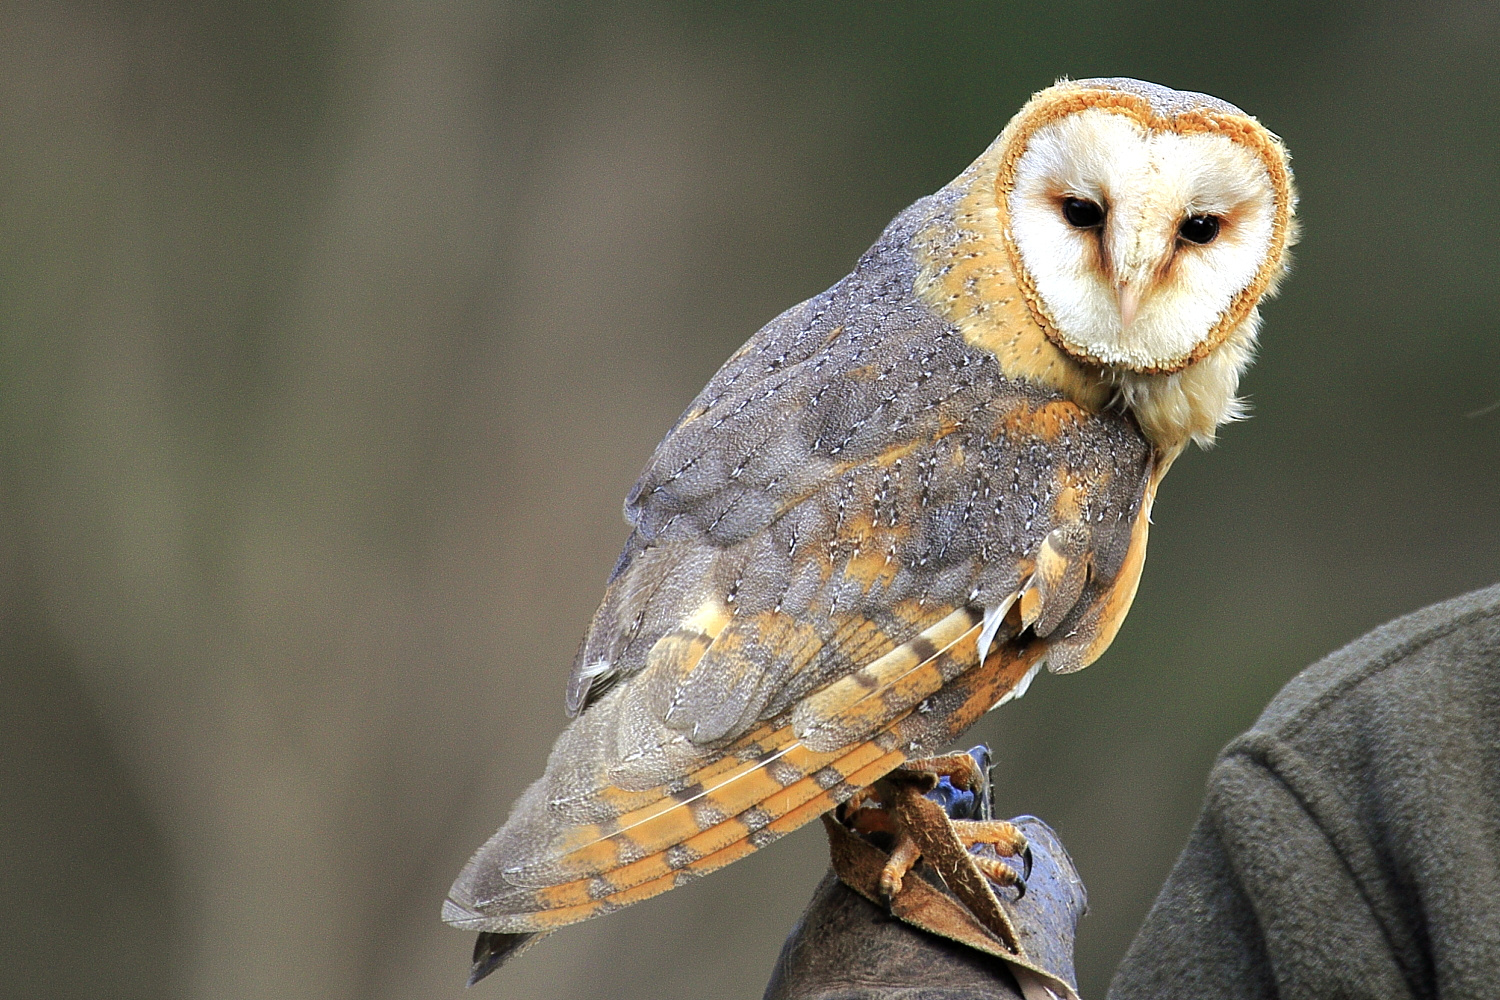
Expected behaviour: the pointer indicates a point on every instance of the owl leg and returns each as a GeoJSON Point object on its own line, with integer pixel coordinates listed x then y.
{"type": "Point", "coordinates": [909, 814]}
{"type": "Point", "coordinates": [904, 857]}
{"type": "Point", "coordinates": [867, 814]}
{"type": "Point", "coordinates": [958, 768]}
{"type": "Point", "coordinates": [859, 800]}
{"type": "Point", "coordinates": [1000, 873]}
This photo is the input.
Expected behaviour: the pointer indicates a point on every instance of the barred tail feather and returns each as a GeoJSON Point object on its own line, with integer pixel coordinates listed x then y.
{"type": "Point", "coordinates": [822, 727]}
{"type": "Point", "coordinates": [744, 808]}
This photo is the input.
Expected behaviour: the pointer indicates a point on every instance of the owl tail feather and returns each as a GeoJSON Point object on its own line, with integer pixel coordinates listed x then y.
{"type": "Point", "coordinates": [491, 951]}
{"type": "Point", "coordinates": [745, 808]}
{"type": "Point", "coordinates": [766, 774]}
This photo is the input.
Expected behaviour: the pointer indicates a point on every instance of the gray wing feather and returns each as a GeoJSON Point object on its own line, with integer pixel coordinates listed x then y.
{"type": "Point", "coordinates": [794, 438]}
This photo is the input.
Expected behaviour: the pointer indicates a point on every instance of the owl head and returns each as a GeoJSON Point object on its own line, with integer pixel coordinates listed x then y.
{"type": "Point", "coordinates": [1147, 222]}
{"type": "Point", "coordinates": [1143, 226]}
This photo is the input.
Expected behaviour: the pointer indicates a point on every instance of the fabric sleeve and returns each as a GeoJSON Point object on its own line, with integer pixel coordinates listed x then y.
{"type": "Point", "coordinates": [1261, 904]}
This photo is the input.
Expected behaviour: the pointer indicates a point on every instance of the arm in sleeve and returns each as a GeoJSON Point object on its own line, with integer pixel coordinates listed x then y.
{"type": "Point", "coordinates": [1261, 903]}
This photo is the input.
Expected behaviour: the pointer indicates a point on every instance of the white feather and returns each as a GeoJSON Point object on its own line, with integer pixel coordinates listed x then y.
{"type": "Point", "coordinates": [1019, 691]}
{"type": "Point", "coordinates": [596, 669]}
{"type": "Point", "coordinates": [992, 619]}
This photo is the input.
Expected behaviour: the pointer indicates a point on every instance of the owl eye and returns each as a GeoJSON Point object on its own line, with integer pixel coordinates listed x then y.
{"type": "Point", "coordinates": [1082, 213]}
{"type": "Point", "coordinates": [1199, 229]}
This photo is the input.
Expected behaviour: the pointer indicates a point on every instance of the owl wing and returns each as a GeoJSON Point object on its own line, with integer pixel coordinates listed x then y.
{"type": "Point", "coordinates": [855, 506]}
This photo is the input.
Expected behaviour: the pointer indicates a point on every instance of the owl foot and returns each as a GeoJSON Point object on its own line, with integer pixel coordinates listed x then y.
{"type": "Point", "coordinates": [872, 813]}
{"type": "Point", "coordinates": [966, 773]}
{"type": "Point", "coordinates": [1007, 840]}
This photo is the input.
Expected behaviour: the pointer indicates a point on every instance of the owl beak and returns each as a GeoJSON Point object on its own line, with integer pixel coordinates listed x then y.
{"type": "Point", "coordinates": [1130, 303]}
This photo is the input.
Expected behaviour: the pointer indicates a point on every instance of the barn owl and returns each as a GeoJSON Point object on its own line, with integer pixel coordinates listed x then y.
{"type": "Point", "coordinates": [901, 498]}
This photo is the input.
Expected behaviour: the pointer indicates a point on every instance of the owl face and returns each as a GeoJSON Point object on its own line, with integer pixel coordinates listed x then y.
{"type": "Point", "coordinates": [1138, 240]}
{"type": "Point", "coordinates": [1145, 223]}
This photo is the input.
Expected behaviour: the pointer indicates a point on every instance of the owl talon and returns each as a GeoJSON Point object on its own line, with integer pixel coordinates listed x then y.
{"type": "Point", "coordinates": [999, 872]}
{"type": "Point", "coordinates": [1007, 840]}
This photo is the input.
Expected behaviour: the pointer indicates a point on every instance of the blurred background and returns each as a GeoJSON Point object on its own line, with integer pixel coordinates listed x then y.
{"type": "Point", "coordinates": [335, 333]}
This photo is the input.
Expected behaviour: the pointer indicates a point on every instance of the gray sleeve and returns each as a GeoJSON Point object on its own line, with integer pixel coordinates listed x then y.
{"type": "Point", "coordinates": [1259, 905]}
{"type": "Point", "coordinates": [1201, 938]}
{"type": "Point", "coordinates": [1349, 844]}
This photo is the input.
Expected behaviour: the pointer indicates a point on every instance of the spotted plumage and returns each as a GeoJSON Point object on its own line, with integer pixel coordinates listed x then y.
{"type": "Point", "coordinates": [930, 465]}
